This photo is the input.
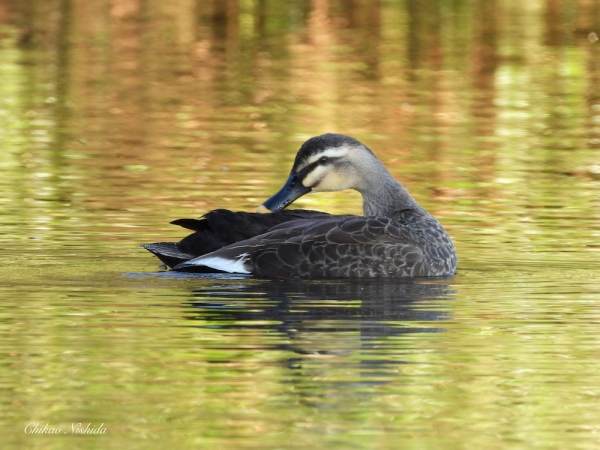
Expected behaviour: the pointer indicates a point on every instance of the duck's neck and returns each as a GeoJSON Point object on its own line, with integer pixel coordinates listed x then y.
{"type": "Point", "coordinates": [383, 195]}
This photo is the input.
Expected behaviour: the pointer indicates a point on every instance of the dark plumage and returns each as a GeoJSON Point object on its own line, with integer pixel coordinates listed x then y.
{"type": "Point", "coordinates": [218, 229]}
{"type": "Point", "coordinates": [395, 238]}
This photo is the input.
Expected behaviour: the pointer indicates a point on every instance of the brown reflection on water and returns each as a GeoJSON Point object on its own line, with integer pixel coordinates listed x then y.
{"type": "Point", "coordinates": [555, 31]}
{"type": "Point", "coordinates": [588, 26]}
{"type": "Point", "coordinates": [485, 61]}
{"type": "Point", "coordinates": [131, 107]}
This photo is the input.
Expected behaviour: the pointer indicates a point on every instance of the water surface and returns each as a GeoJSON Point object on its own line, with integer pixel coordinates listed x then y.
{"type": "Point", "coordinates": [116, 118]}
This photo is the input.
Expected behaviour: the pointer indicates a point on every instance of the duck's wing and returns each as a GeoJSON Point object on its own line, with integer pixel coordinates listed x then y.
{"type": "Point", "coordinates": [220, 228]}
{"type": "Point", "coordinates": [342, 246]}
{"type": "Point", "coordinates": [168, 252]}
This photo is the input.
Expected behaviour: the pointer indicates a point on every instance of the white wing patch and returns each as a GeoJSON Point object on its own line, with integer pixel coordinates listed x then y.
{"type": "Point", "coordinates": [234, 265]}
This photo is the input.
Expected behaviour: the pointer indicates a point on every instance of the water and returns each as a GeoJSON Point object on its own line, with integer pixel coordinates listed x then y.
{"type": "Point", "coordinates": [118, 118]}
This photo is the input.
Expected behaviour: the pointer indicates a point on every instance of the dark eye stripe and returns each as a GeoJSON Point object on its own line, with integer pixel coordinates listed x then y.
{"type": "Point", "coordinates": [308, 169]}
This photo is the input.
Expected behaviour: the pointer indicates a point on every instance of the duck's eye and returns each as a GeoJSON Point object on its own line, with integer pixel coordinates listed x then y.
{"type": "Point", "coordinates": [324, 160]}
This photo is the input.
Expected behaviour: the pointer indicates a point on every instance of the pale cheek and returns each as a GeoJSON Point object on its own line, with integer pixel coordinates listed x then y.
{"type": "Point", "coordinates": [334, 182]}
{"type": "Point", "coordinates": [313, 176]}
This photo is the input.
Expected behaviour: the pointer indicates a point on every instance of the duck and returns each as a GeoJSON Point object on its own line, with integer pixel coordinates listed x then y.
{"type": "Point", "coordinates": [395, 237]}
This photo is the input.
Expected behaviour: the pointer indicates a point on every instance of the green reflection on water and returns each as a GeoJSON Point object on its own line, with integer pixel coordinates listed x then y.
{"type": "Point", "coordinates": [117, 118]}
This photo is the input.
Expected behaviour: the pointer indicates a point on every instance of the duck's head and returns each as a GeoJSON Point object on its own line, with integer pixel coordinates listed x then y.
{"type": "Point", "coordinates": [330, 162]}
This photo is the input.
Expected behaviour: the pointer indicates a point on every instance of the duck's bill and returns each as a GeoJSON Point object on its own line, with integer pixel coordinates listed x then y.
{"type": "Point", "coordinates": [291, 190]}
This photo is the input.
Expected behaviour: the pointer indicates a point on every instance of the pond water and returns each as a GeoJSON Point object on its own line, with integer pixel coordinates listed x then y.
{"type": "Point", "coordinates": [118, 117]}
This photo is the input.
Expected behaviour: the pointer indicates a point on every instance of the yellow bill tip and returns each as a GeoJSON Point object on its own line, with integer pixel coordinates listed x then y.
{"type": "Point", "coordinates": [262, 209]}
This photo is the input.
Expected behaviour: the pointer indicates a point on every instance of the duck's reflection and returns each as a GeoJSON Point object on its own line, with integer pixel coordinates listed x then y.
{"type": "Point", "coordinates": [366, 318]}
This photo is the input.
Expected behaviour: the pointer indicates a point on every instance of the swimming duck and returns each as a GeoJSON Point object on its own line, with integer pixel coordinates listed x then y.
{"type": "Point", "coordinates": [395, 238]}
